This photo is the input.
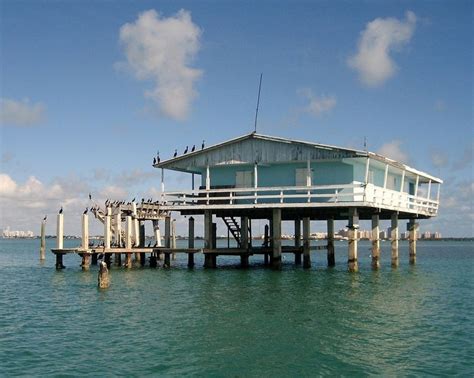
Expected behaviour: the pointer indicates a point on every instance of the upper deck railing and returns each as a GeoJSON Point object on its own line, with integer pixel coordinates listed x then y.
{"type": "Point", "coordinates": [356, 194]}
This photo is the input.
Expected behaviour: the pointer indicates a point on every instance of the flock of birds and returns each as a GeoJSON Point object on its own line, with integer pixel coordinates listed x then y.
{"type": "Point", "coordinates": [156, 160]}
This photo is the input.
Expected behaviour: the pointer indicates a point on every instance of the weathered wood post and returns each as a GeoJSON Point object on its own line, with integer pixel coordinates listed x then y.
{"type": "Point", "coordinates": [276, 238]}
{"type": "Point", "coordinates": [191, 242]}
{"type": "Point", "coordinates": [166, 263]}
{"type": "Point", "coordinates": [118, 236]}
{"type": "Point", "coordinates": [375, 241]}
{"type": "Point", "coordinates": [306, 242]}
{"type": "Point", "coordinates": [128, 242]}
{"type": "Point", "coordinates": [394, 239]}
{"type": "Point", "coordinates": [103, 277]}
{"type": "Point", "coordinates": [266, 243]}
{"type": "Point", "coordinates": [207, 238]}
{"type": "Point", "coordinates": [142, 244]}
{"type": "Point", "coordinates": [353, 226]}
{"type": "Point", "coordinates": [330, 246]}
{"type": "Point", "coordinates": [244, 237]}
{"type": "Point", "coordinates": [43, 240]}
{"type": "Point", "coordinates": [298, 241]}
{"type": "Point", "coordinates": [86, 262]}
{"type": "Point", "coordinates": [412, 230]}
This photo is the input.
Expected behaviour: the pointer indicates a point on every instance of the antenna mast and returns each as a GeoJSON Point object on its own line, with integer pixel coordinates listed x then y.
{"type": "Point", "coordinates": [258, 102]}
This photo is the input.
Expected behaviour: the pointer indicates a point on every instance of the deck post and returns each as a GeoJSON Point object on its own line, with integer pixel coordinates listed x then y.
{"type": "Point", "coordinates": [298, 241]}
{"type": "Point", "coordinates": [412, 230]}
{"type": "Point", "coordinates": [306, 242]}
{"type": "Point", "coordinates": [60, 232]}
{"type": "Point", "coordinates": [353, 265]}
{"type": "Point", "coordinates": [207, 237]}
{"type": "Point", "coordinates": [156, 229]}
{"type": "Point", "coordinates": [330, 246]}
{"type": "Point", "coordinates": [136, 227]}
{"type": "Point", "coordinates": [118, 229]}
{"type": "Point", "coordinates": [266, 243]}
{"type": "Point", "coordinates": [375, 241]}
{"type": "Point", "coordinates": [394, 239]}
{"type": "Point", "coordinates": [85, 231]}
{"type": "Point", "coordinates": [107, 228]}
{"type": "Point", "coordinates": [214, 243]}
{"type": "Point", "coordinates": [128, 242]}
{"type": "Point", "coordinates": [166, 262]}
{"type": "Point", "coordinates": [43, 241]}
{"type": "Point", "coordinates": [276, 238]}
{"type": "Point", "coordinates": [244, 236]}
{"type": "Point", "coordinates": [142, 243]}
{"type": "Point", "coordinates": [190, 241]}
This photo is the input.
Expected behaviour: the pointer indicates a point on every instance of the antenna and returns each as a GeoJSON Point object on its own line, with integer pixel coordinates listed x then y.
{"type": "Point", "coordinates": [258, 102]}
{"type": "Point", "coordinates": [365, 143]}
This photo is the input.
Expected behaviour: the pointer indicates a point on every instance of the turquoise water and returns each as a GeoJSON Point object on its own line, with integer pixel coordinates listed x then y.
{"type": "Point", "coordinates": [235, 322]}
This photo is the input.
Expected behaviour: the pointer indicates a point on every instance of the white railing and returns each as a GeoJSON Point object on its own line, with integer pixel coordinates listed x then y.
{"type": "Point", "coordinates": [318, 195]}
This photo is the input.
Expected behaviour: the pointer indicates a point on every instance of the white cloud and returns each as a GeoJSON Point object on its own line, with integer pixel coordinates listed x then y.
{"type": "Point", "coordinates": [394, 151]}
{"type": "Point", "coordinates": [317, 105]}
{"type": "Point", "coordinates": [20, 113]}
{"type": "Point", "coordinates": [161, 49]}
{"type": "Point", "coordinates": [380, 37]}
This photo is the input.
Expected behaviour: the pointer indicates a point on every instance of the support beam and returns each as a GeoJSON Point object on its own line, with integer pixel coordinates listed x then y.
{"type": "Point", "coordinates": [60, 232]}
{"type": "Point", "coordinates": [298, 241]}
{"type": "Point", "coordinates": [168, 232]}
{"type": "Point", "coordinates": [375, 237]}
{"type": "Point", "coordinates": [276, 238]}
{"type": "Point", "coordinates": [190, 241]}
{"type": "Point", "coordinates": [306, 242]}
{"type": "Point", "coordinates": [353, 265]}
{"type": "Point", "coordinates": [394, 239]}
{"type": "Point", "coordinates": [244, 235]}
{"type": "Point", "coordinates": [412, 236]}
{"type": "Point", "coordinates": [85, 231]}
{"type": "Point", "coordinates": [331, 255]}
{"type": "Point", "coordinates": [107, 228]}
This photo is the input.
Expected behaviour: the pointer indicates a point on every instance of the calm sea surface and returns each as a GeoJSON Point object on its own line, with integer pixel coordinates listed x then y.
{"type": "Point", "coordinates": [234, 322]}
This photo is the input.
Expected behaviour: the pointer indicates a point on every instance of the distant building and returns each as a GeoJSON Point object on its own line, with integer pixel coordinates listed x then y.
{"type": "Point", "coordinates": [9, 234]}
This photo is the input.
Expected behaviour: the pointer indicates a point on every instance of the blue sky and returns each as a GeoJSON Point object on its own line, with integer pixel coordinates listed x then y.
{"type": "Point", "coordinates": [82, 112]}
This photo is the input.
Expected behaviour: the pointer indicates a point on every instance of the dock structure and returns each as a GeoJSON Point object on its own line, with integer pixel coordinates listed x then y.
{"type": "Point", "coordinates": [258, 177]}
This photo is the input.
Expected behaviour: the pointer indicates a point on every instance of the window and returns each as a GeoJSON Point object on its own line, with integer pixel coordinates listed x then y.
{"type": "Point", "coordinates": [370, 178]}
{"type": "Point", "coordinates": [244, 179]}
{"type": "Point", "coordinates": [300, 176]}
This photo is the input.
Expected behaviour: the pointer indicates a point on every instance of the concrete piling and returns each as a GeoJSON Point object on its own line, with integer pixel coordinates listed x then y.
{"type": "Point", "coordinates": [330, 247]}
{"type": "Point", "coordinates": [86, 257]}
{"type": "Point", "coordinates": [276, 239]}
{"type": "Point", "coordinates": [128, 234]}
{"type": "Point", "coordinates": [353, 226]}
{"type": "Point", "coordinates": [60, 232]}
{"type": "Point", "coordinates": [306, 243]}
{"type": "Point", "coordinates": [103, 277]}
{"type": "Point", "coordinates": [412, 227]}
{"type": "Point", "coordinates": [107, 229]}
{"type": "Point", "coordinates": [43, 241]}
{"type": "Point", "coordinates": [394, 239]}
{"type": "Point", "coordinates": [375, 241]}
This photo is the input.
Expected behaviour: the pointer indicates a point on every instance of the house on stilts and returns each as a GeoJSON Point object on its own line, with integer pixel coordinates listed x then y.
{"type": "Point", "coordinates": [276, 179]}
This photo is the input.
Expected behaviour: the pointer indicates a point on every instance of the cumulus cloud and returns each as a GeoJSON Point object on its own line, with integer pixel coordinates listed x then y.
{"type": "Point", "coordinates": [317, 105]}
{"type": "Point", "coordinates": [381, 37]}
{"type": "Point", "coordinates": [20, 113]}
{"type": "Point", "coordinates": [161, 50]}
{"type": "Point", "coordinates": [394, 151]}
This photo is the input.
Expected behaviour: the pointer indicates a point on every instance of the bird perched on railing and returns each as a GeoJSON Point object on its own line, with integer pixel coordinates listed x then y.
{"type": "Point", "coordinates": [186, 150]}
{"type": "Point", "coordinates": [194, 148]}
{"type": "Point", "coordinates": [154, 161]}
{"type": "Point", "coordinates": [202, 145]}
{"type": "Point", "coordinates": [175, 153]}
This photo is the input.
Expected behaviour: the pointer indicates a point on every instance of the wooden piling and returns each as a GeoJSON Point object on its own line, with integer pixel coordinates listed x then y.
{"type": "Point", "coordinates": [394, 239]}
{"type": "Point", "coordinates": [330, 247]}
{"type": "Point", "coordinates": [353, 265]}
{"type": "Point", "coordinates": [190, 241]}
{"type": "Point", "coordinates": [298, 241]}
{"type": "Point", "coordinates": [412, 230]}
{"type": "Point", "coordinates": [167, 262]}
{"type": "Point", "coordinates": [266, 243]}
{"type": "Point", "coordinates": [276, 238]}
{"type": "Point", "coordinates": [94, 258]}
{"type": "Point", "coordinates": [207, 237]}
{"type": "Point", "coordinates": [128, 260]}
{"type": "Point", "coordinates": [59, 261]}
{"type": "Point", "coordinates": [103, 279]}
{"type": "Point", "coordinates": [118, 259]}
{"type": "Point", "coordinates": [375, 241]}
{"type": "Point", "coordinates": [60, 232]}
{"type": "Point", "coordinates": [306, 243]}
{"type": "Point", "coordinates": [107, 259]}
{"type": "Point", "coordinates": [86, 261]}
{"type": "Point", "coordinates": [43, 241]}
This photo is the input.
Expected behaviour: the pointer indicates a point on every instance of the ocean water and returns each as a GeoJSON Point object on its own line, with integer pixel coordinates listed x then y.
{"type": "Point", "coordinates": [414, 320]}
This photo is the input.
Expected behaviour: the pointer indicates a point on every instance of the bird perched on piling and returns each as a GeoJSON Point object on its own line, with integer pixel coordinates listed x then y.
{"type": "Point", "coordinates": [194, 147]}
{"type": "Point", "coordinates": [44, 219]}
{"type": "Point", "coordinates": [133, 200]}
{"type": "Point", "coordinates": [154, 161]}
{"type": "Point", "coordinates": [61, 210]}
{"type": "Point", "coordinates": [202, 145]}
{"type": "Point", "coordinates": [85, 211]}
{"type": "Point", "coordinates": [186, 150]}
{"type": "Point", "coordinates": [175, 153]}
{"type": "Point", "coordinates": [90, 197]}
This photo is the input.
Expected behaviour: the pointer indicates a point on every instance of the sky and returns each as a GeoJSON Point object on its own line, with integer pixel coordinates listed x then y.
{"type": "Point", "coordinates": [90, 91]}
